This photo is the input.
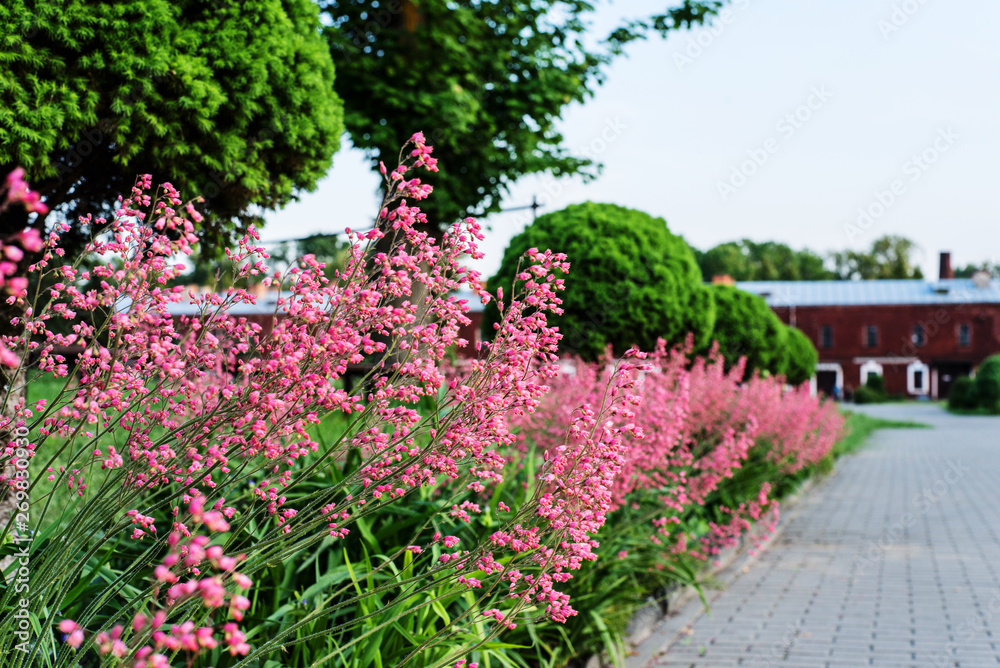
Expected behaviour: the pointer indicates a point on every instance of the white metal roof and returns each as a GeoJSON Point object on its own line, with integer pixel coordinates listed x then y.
{"type": "Point", "coordinates": [874, 293]}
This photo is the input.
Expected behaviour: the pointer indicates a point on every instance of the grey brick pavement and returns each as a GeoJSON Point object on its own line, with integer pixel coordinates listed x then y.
{"type": "Point", "coordinates": [894, 561]}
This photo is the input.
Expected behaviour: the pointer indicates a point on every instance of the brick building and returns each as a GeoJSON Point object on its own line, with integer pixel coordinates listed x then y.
{"type": "Point", "coordinates": [919, 335]}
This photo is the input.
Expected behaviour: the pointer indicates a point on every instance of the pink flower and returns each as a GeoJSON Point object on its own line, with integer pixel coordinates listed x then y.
{"type": "Point", "coordinates": [75, 639]}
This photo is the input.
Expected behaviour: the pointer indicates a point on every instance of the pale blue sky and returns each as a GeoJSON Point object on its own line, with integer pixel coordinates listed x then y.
{"type": "Point", "coordinates": [680, 121]}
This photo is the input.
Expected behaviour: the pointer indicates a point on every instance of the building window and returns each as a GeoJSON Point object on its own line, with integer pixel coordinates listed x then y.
{"type": "Point", "coordinates": [964, 335]}
{"type": "Point", "coordinates": [917, 378]}
{"type": "Point", "coordinates": [871, 336]}
{"type": "Point", "coordinates": [826, 336]}
{"type": "Point", "coordinates": [919, 337]}
{"type": "Point", "coordinates": [870, 368]}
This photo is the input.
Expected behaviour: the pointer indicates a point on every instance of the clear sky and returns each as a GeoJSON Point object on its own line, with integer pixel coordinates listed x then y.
{"type": "Point", "coordinates": [778, 123]}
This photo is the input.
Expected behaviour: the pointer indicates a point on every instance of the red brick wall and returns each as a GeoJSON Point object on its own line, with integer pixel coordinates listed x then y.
{"type": "Point", "coordinates": [471, 333]}
{"type": "Point", "coordinates": [895, 329]}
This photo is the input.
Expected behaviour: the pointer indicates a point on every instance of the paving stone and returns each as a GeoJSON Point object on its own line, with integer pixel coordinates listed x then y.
{"type": "Point", "coordinates": [894, 561]}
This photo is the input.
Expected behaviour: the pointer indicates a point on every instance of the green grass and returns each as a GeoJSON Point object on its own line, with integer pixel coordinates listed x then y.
{"type": "Point", "coordinates": [978, 410]}
{"type": "Point", "coordinates": [860, 426]}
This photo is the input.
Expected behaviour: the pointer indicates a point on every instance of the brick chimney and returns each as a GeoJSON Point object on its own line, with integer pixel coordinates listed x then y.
{"type": "Point", "coordinates": [946, 270]}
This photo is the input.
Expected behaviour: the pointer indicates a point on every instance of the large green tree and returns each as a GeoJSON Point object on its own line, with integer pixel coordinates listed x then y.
{"type": "Point", "coordinates": [747, 260]}
{"type": "Point", "coordinates": [232, 100]}
{"type": "Point", "coordinates": [485, 81]}
{"type": "Point", "coordinates": [890, 256]}
{"type": "Point", "coordinates": [630, 282]}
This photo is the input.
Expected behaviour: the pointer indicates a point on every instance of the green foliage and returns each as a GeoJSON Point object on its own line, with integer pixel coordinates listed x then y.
{"type": "Point", "coordinates": [361, 576]}
{"type": "Point", "coordinates": [233, 100]}
{"type": "Point", "coordinates": [988, 384]}
{"type": "Point", "coordinates": [746, 260]}
{"type": "Point", "coordinates": [873, 391]}
{"type": "Point", "coordinates": [992, 268]}
{"type": "Point", "coordinates": [866, 395]}
{"type": "Point", "coordinates": [875, 382]}
{"type": "Point", "coordinates": [962, 396]}
{"type": "Point", "coordinates": [802, 357]}
{"type": "Point", "coordinates": [745, 326]}
{"type": "Point", "coordinates": [980, 394]}
{"type": "Point", "coordinates": [486, 82]}
{"type": "Point", "coordinates": [631, 281]}
{"type": "Point", "coordinates": [889, 257]}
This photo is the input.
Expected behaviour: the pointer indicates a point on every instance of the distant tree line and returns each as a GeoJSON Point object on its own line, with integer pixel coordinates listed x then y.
{"type": "Point", "coordinates": [745, 260]}
{"type": "Point", "coordinates": [992, 268]}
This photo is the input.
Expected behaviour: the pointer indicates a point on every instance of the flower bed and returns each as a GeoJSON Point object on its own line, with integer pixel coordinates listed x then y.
{"type": "Point", "coordinates": [209, 492]}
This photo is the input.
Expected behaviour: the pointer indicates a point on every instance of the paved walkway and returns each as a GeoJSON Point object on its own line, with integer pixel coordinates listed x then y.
{"type": "Point", "coordinates": [893, 561]}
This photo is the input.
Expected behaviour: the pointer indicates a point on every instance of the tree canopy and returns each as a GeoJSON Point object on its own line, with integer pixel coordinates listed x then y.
{"type": "Point", "coordinates": [992, 268]}
{"type": "Point", "coordinates": [890, 256]}
{"type": "Point", "coordinates": [630, 282]}
{"type": "Point", "coordinates": [230, 100]}
{"type": "Point", "coordinates": [486, 82]}
{"type": "Point", "coordinates": [747, 260]}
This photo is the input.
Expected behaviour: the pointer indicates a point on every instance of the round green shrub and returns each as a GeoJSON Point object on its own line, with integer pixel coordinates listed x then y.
{"type": "Point", "coordinates": [988, 383]}
{"type": "Point", "coordinates": [745, 326]}
{"type": "Point", "coordinates": [630, 282]}
{"type": "Point", "coordinates": [875, 382]}
{"type": "Point", "coordinates": [963, 394]}
{"type": "Point", "coordinates": [867, 395]}
{"type": "Point", "coordinates": [802, 357]}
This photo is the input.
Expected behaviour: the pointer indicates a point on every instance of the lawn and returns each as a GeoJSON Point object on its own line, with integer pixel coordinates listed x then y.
{"type": "Point", "coordinates": [860, 426]}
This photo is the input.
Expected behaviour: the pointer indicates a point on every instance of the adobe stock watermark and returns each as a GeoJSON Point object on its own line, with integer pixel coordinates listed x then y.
{"type": "Point", "coordinates": [913, 169]}
{"type": "Point", "coordinates": [786, 126]}
{"type": "Point", "coordinates": [774, 653]}
{"type": "Point", "coordinates": [873, 552]}
{"type": "Point", "coordinates": [21, 536]}
{"type": "Point", "coordinates": [932, 326]}
{"type": "Point", "coordinates": [552, 191]}
{"type": "Point", "coordinates": [901, 14]}
{"type": "Point", "coordinates": [609, 134]}
{"type": "Point", "coordinates": [362, 36]}
{"type": "Point", "coordinates": [697, 43]}
{"type": "Point", "coordinates": [973, 625]}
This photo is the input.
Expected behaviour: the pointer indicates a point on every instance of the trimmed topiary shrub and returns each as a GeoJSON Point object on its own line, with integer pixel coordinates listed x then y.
{"type": "Point", "coordinates": [963, 394]}
{"type": "Point", "coordinates": [745, 326]}
{"type": "Point", "coordinates": [987, 385]}
{"type": "Point", "coordinates": [875, 382]}
{"type": "Point", "coordinates": [631, 280]}
{"type": "Point", "coordinates": [802, 357]}
{"type": "Point", "coordinates": [867, 395]}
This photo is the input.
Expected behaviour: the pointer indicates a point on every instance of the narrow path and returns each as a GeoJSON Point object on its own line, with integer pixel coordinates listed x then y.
{"type": "Point", "coordinates": [895, 561]}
